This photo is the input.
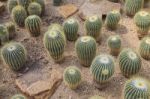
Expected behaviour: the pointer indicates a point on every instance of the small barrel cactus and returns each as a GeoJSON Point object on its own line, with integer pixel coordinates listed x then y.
{"type": "Point", "coordinates": [42, 3]}
{"type": "Point", "coordinates": [55, 42]}
{"type": "Point", "coordinates": [71, 28]}
{"type": "Point", "coordinates": [144, 48]}
{"type": "Point", "coordinates": [33, 24]}
{"type": "Point", "coordinates": [24, 3]}
{"type": "Point", "coordinates": [93, 26]}
{"type": "Point", "coordinates": [96, 97]}
{"type": "Point", "coordinates": [129, 62]}
{"type": "Point", "coordinates": [14, 55]}
{"type": "Point", "coordinates": [114, 44]}
{"type": "Point", "coordinates": [19, 15]}
{"type": "Point", "coordinates": [57, 2]}
{"type": "Point", "coordinates": [72, 77]}
{"type": "Point", "coordinates": [142, 21]}
{"type": "Point", "coordinates": [86, 50]}
{"type": "Point", "coordinates": [113, 19]}
{"type": "Point", "coordinates": [11, 29]}
{"type": "Point", "coordinates": [102, 68]}
{"type": "Point", "coordinates": [136, 88]}
{"type": "Point", "coordinates": [11, 4]}
{"type": "Point", "coordinates": [4, 35]}
{"type": "Point", "coordinates": [34, 9]}
{"type": "Point", "coordinates": [18, 96]}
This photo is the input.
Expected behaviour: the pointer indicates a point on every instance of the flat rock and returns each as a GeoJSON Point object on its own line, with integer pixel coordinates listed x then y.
{"type": "Point", "coordinates": [2, 7]}
{"type": "Point", "coordinates": [39, 85]}
{"type": "Point", "coordinates": [67, 10]}
{"type": "Point", "coordinates": [99, 7]}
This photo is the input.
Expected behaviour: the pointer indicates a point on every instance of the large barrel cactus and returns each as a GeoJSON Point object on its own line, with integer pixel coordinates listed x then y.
{"type": "Point", "coordinates": [114, 44]}
{"type": "Point", "coordinates": [144, 48]}
{"type": "Point", "coordinates": [19, 15]}
{"type": "Point", "coordinates": [14, 55]}
{"type": "Point", "coordinates": [18, 96]}
{"type": "Point", "coordinates": [72, 77]}
{"type": "Point", "coordinates": [57, 2]}
{"type": "Point", "coordinates": [11, 4]}
{"type": "Point", "coordinates": [136, 88]}
{"type": "Point", "coordinates": [129, 62]}
{"type": "Point", "coordinates": [142, 21]}
{"type": "Point", "coordinates": [4, 35]}
{"type": "Point", "coordinates": [24, 3]}
{"type": "Point", "coordinates": [113, 19]}
{"type": "Point", "coordinates": [33, 24]}
{"type": "Point", "coordinates": [102, 68]}
{"type": "Point", "coordinates": [93, 26]}
{"type": "Point", "coordinates": [34, 9]}
{"type": "Point", "coordinates": [71, 28]}
{"type": "Point", "coordinates": [86, 50]}
{"type": "Point", "coordinates": [133, 6]}
{"type": "Point", "coordinates": [55, 42]}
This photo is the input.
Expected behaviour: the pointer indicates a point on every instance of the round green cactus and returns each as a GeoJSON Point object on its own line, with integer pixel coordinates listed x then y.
{"type": "Point", "coordinates": [18, 96]}
{"type": "Point", "coordinates": [142, 21]}
{"type": "Point", "coordinates": [57, 2]}
{"type": "Point", "coordinates": [93, 27]}
{"type": "Point", "coordinates": [71, 28]}
{"type": "Point", "coordinates": [129, 62]}
{"type": "Point", "coordinates": [24, 3]}
{"type": "Point", "coordinates": [42, 3]}
{"type": "Point", "coordinates": [11, 4]}
{"type": "Point", "coordinates": [33, 24]}
{"type": "Point", "coordinates": [55, 42]}
{"type": "Point", "coordinates": [102, 68]}
{"type": "Point", "coordinates": [96, 97]}
{"type": "Point", "coordinates": [19, 15]}
{"type": "Point", "coordinates": [86, 50]}
{"type": "Point", "coordinates": [72, 77]}
{"type": "Point", "coordinates": [114, 44]}
{"type": "Point", "coordinates": [14, 55]}
{"type": "Point", "coordinates": [34, 9]}
{"type": "Point", "coordinates": [144, 48]}
{"type": "Point", "coordinates": [133, 6]}
{"type": "Point", "coordinates": [136, 88]}
{"type": "Point", "coordinates": [113, 19]}
{"type": "Point", "coordinates": [11, 29]}
{"type": "Point", "coordinates": [4, 35]}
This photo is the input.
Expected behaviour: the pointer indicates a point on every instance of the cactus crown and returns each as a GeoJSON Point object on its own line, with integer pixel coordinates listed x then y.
{"type": "Point", "coordinates": [19, 96]}
{"type": "Point", "coordinates": [132, 55]}
{"type": "Point", "coordinates": [139, 84]}
{"type": "Point", "coordinates": [143, 13]}
{"type": "Point", "coordinates": [147, 41]}
{"type": "Point", "coordinates": [93, 18]}
{"type": "Point", "coordinates": [71, 21]}
{"type": "Point", "coordinates": [85, 39]}
{"type": "Point", "coordinates": [53, 34]}
{"type": "Point", "coordinates": [114, 11]}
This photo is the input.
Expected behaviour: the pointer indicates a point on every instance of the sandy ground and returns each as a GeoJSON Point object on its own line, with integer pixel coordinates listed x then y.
{"type": "Point", "coordinates": [38, 58]}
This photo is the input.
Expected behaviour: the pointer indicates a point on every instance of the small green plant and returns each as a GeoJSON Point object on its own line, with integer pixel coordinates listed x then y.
{"type": "Point", "coordinates": [55, 42]}
{"type": "Point", "coordinates": [57, 2]}
{"type": "Point", "coordinates": [4, 35]}
{"type": "Point", "coordinates": [33, 24]}
{"type": "Point", "coordinates": [11, 4]}
{"type": "Point", "coordinates": [86, 50]}
{"type": "Point", "coordinates": [18, 96]}
{"type": "Point", "coordinates": [142, 21]}
{"type": "Point", "coordinates": [14, 55]}
{"type": "Point", "coordinates": [71, 28]}
{"type": "Point", "coordinates": [19, 15]}
{"type": "Point", "coordinates": [72, 77]}
{"type": "Point", "coordinates": [114, 44]}
{"type": "Point", "coordinates": [133, 6]}
{"type": "Point", "coordinates": [11, 29]}
{"type": "Point", "coordinates": [102, 68]}
{"type": "Point", "coordinates": [136, 88]}
{"type": "Point", "coordinates": [34, 9]}
{"type": "Point", "coordinates": [129, 62]}
{"type": "Point", "coordinates": [93, 26]}
{"type": "Point", "coordinates": [24, 3]}
{"type": "Point", "coordinates": [113, 19]}
{"type": "Point", "coordinates": [144, 48]}
{"type": "Point", "coordinates": [96, 97]}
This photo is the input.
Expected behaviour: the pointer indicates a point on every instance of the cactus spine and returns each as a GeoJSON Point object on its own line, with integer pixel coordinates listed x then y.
{"type": "Point", "coordinates": [34, 9]}
{"type": "Point", "coordinates": [4, 35]}
{"type": "Point", "coordinates": [93, 27]}
{"type": "Point", "coordinates": [18, 96]}
{"type": "Point", "coordinates": [113, 19]}
{"type": "Point", "coordinates": [129, 62]}
{"type": "Point", "coordinates": [102, 68]}
{"type": "Point", "coordinates": [11, 29]}
{"type": "Point", "coordinates": [86, 50]}
{"type": "Point", "coordinates": [57, 2]}
{"type": "Point", "coordinates": [11, 4]}
{"type": "Point", "coordinates": [19, 15]}
{"type": "Point", "coordinates": [33, 24]}
{"type": "Point", "coordinates": [71, 27]}
{"type": "Point", "coordinates": [14, 55]}
{"type": "Point", "coordinates": [72, 77]}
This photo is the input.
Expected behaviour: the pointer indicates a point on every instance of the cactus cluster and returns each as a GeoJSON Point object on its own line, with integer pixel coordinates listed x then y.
{"type": "Point", "coordinates": [33, 24]}
{"type": "Point", "coordinates": [133, 6]}
{"type": "Point", "coordinates": [142, 21]}
{"type": "Point", "coordinates": [71, 28]}
{"type": "Point", "coordinates": [4, 35]}
{"type": "Point", "coordinates": [57, 2]}
{"type": "Point", "coordinates": [96, 97]}
{"type": "Point", "coordinates": [72, 77]}
{"type": "Point", "coordinates": [129, 62]}
{"type": "Point", "coordinates": [19, 15]}
{"type": "Point", "coordinates": [11, 29]}
{"type": "Point", "coordinates": [144, 48]}
{"type": "Point", "coordinates": [114, 44]}
{"type": "Point", "coordinates": [24, 3]}
{"type": "Point", "coordinates": [86, 50]}
{"type": "Point", "coordinates": [93, 26]}
{"type": "Point", "coordinates": [11, 4]}
{"type": "Point", "coordinates": [113, 19]}
{"type": "Point", "coordinates": [34, 9]}
{"type": "Point", "coordinates": [14, 55]}
{"type": "Point", "coordinates": [18, 96]}
{"type": "Point", "coordinates": [136, 88]}
{"type": "Point", "coordinates": [102, 68]}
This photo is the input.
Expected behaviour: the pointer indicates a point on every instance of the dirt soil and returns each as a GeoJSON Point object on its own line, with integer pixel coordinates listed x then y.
{"type": "Point", "coordinates": [38, 58]}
